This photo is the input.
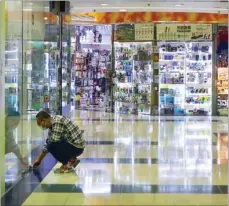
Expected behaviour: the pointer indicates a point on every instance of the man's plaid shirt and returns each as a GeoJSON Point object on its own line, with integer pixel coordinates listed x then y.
{"type": "Point", "coordinates": [64, 129]}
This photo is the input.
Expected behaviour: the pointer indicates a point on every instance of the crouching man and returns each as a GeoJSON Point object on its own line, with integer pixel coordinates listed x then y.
{"type": "Point", "coordinates": [65, 141]}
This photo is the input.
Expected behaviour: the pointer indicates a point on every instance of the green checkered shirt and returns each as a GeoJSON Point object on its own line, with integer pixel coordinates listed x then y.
{"type": "Point", "coordinates": [64, 129]}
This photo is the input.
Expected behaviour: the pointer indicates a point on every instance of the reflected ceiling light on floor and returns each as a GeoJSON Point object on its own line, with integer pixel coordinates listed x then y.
{"type": "Point", "coordinates": [179, 5]}
{"type": "Point", "coordinates": [27, 9]}
{"type": "Point", "coordinates": [122, 10]}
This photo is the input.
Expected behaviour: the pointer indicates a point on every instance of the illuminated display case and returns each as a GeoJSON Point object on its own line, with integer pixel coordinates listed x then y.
{"type": "Point", "coordinates": [198, 78]}
{"type": "Point", "coordinates": [92, 65]}
{"type": "Point", "coordinates": [172, 78]}
{"type": "Point", "coordinates": [185, 78]}
{"type": "Point", "coordinates": [222, 71]}
{"type": "Point", "coordinates": [133, 77]}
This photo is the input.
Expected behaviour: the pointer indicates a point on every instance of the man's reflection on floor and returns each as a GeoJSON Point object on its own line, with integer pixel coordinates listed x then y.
{"type": "Point", "coordinates": [12, 120]}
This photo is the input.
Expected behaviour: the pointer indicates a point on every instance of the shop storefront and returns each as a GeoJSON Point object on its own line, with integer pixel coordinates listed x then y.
{"type": "Point", "coordinates": [168, 66]}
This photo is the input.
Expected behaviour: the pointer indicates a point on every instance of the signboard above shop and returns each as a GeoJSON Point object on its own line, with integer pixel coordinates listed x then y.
{"type": "Point", "coordinates": [135, 32]}
{"type": "Point", "coordinates": [144, 32]}
{"type": "Point", "coordinates": [184, 32]}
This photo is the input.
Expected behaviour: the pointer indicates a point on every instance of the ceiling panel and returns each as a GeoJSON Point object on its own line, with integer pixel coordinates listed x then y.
{"type": "Point", "coordinates": [215, 6]}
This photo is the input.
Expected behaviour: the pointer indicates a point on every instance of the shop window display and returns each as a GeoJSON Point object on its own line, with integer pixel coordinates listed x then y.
{"type": "Point", "coordinates": [185, 70]}
{"type": "Point", "coordinates": [133, 77]}
{"type": "Point", "coordinates": [199, 78]}
{"type": "Point", "coordinates": [222, 70]}
{"type": "Point", "coordinates": [172, 78]}
{"type": "Point", "coordinates": [92, 66]}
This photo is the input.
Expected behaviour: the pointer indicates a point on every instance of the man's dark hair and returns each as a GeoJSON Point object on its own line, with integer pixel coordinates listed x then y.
{"type": "Point", "coordinates": [43, 115]}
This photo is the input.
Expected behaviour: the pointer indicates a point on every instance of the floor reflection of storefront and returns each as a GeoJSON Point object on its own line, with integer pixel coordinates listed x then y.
{"type": "Point", "coordinates": [187, 151]}
{"type": "Point", "coordinates": [222, 148]}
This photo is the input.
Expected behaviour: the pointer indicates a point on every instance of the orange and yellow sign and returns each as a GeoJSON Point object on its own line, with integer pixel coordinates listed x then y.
{"type": "Point", "coordinates": [137, 17]}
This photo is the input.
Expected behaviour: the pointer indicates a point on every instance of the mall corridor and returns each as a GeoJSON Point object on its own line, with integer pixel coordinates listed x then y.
{"type": "Point", "coordinates": [147, 80]}
{"type": "Point", "coordinates": [132, 160]}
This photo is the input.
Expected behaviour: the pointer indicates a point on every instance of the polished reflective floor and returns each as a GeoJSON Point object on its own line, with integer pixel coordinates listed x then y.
{"type": "Point", "coordinates": [132, 160]}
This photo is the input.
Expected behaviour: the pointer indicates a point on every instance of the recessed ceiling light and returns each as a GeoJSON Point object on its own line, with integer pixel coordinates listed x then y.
{"type": "Point", "coordinates": [122, 10]}
{"type": "Point", "coordinates": [104, 4]}
{"type": "Point", "coordinates": [179, 5]}
{"type": "Point", "coordinates": [46, 18]}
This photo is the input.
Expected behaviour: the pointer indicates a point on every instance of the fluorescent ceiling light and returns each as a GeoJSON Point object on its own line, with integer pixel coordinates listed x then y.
{"type": "Point", "coordinates": [104, 4]}
{"type": "Point", "coordinates": [122, 10]}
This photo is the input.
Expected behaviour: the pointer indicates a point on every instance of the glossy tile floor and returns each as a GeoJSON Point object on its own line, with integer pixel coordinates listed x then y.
{"type": "Point", "coordinates": [132, 160]}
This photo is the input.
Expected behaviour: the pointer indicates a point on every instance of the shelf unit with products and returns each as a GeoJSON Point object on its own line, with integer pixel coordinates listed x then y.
{"type": "Point", "coordinates": [133, 77]}
{"type": "Point", "coordinates": [222, 70]}
{"type": "Point", "coordinates": [171, 78]}
{"type": "Point", "coordinates": [185, 69]}
{"type": "Point", "coordinates": [92, 65]}
{"type": "Point", "coordinates": [199, 78]}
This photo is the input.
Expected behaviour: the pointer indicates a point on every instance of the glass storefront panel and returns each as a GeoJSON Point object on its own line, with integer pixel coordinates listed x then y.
{"type": "Point", "coordinates": [13, 92]}
{"type": "Point", "coordinates": [25, 84]}
{"type": "Point", "coordinates": [32, 67]}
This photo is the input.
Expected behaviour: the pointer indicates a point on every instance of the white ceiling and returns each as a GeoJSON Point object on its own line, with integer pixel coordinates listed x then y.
{"type": "Point", "coordinates": [208, 6]}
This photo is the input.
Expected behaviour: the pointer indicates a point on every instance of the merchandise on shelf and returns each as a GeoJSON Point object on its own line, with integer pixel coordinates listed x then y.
{"type": "Point", "coordinates": [171, 78]}
{"type": "Point", "coordinates": [199, 78]}
{"type": "Point", "coordinates": [185, 78]}
{"type": "Point", "coordinates": [92, 65]}
{"type": "Point", "coordinates": [222, 71]}
{"type": "Point", "coordinates": [133, 77]}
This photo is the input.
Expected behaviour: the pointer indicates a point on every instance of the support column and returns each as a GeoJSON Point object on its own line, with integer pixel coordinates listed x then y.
{"type": "Point", "coordinates": [2, 97]}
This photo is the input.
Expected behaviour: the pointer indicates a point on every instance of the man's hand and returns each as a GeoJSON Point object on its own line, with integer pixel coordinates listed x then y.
{"type": "Point", "coordinates": [36, 163]}
{"type": "Point", "coordinates": [39, 159]}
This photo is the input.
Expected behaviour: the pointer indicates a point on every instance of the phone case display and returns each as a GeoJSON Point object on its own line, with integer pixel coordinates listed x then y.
{"type": "Point", "coordinates": [11, 73]}
{"type": "Point", "coordinates": [133, 77]}
{"type": "Point", "coordinates": [171, 78]}
{"type": "Point", "coordinates": [222, 70]}
{"type": "Point", "coordinates": [199, 78]}
{"type": "Point", "coordinates": [92, 63]}
{"type": "Point", "coordinates": [222, 90]}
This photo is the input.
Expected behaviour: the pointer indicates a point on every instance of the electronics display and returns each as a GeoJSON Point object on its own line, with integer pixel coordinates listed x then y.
{"type": "Point", "coordinates": [222, 71]}
{"type": "Point", "coordinates": [198, 78]}
{"type": "Point", "coordinates": [133, 77]}
{"type": "Point", "coordinates": [91, 65]}
{"type": "Point", "coordinates": [171, 78]}
{"type": "Point", "coordinates": [185, 70]}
